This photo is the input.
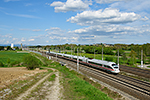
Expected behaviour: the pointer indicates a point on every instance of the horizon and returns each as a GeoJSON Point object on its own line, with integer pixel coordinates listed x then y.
{"type": "Point", "coordinates": [17, 45]}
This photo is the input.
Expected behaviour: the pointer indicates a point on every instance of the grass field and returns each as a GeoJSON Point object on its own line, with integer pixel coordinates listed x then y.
{"type": "Point", "coordinates": [11, 56]}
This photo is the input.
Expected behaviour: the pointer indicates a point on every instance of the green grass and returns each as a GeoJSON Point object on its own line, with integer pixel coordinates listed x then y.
{"type": "Point", "coordinates": [52, 78]}
{"type": "Point", "coordinates": [76, 88]}
{"type": "Point", "coordinates": [148, 66]}
{"type": "Point", "coordinates": [12, 56]}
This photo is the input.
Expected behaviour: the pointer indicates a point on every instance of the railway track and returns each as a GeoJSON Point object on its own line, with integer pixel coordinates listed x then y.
{"type": "Point", "coordinates": [134, 87]}
{"type": "Point", "coordinates": [136, 71]}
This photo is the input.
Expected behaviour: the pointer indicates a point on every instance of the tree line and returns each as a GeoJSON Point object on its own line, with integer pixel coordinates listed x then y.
{"type": "Point", "coordinates": [131, 58]}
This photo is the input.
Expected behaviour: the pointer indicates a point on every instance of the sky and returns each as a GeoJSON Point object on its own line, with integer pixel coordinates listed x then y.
{"type": "Point", "coordinates": [52, 22]}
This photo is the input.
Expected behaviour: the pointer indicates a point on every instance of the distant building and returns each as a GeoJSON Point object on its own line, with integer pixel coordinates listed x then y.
{"type": "Point", "coordinates": [5, 48]}
{"type": "Point", "coordinates": [12, 45]}
{"type": "Point", "coordinates": [21, 45]}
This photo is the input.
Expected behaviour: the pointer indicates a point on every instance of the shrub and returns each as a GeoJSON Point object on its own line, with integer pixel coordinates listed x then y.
{"type": "Point", "coordinates": [14, 63]}
{"type": "Point", "coordinates": [1, 64]}
{"type": "Point", "coordinates": [8, 60]}
{"type": "Point", "coordinates": [109, 58]}
{"type": "Point", "coordinates": [31, 62]}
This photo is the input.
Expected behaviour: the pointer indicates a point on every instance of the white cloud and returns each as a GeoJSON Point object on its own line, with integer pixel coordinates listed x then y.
{"type": "Point", "coordinates": [31, 40]}
{"type": "Point", "coordinates": [132, 5]}
{"type": "Point", "coordinates": [107, 30]}
{"type": "Point", "coordinates": [15, 39]}
{"type": "Point", "coordinates": [112, 34]}
{"type": "Point", "coordinates": [36, 30]}
{"type": "Point", "coordinates": [23, 40]}
{"type": "Point", "coordinates": [145, 18]}
{"type": "Point", "coordinates": [10, 0]}
{"type": "Point", "coordinates": [107, 16]}
{"type": "Point", "coordinates": [106, 1]}
{"type": "Point", "coordinates": [70, 5]}
{"type": "Point", "coordinates": [53, 28]}
{"type": "Point", "coordinates": [28, 4]}
{"type": "Point", "coordinates": [22, 15]}
{"type": "Point", "coordinates": [57, 4]}
{"type": "Point", "coordinates": [24, 29]}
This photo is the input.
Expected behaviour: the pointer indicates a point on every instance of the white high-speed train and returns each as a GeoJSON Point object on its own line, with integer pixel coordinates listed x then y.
{"type": "Point", "coordinates": [111, 67]}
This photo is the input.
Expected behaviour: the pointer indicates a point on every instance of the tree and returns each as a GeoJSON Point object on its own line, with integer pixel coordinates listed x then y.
{"type": "Point", "coordinates": [31, 62]}
{"type": "Point", "coordinates": [9, 48]}
{"type": "Point", "coordinates": [133, 57]}
{"type": "Point", "coordinates": [1, 47]}
{"type": "Point", "coordinates": [121, 52]}
{"type": "Point", "coordinates": [109, 58]}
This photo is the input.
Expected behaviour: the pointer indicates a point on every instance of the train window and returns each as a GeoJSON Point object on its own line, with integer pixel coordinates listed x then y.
{"type": "Point", "coordinates": [114, 64]}
{"type": "Point", "coordinates": [107, 66]}
{"type": "Point", "coordinates": [116, 67]}
{"type": "Point", "coordinates": [80, 60]}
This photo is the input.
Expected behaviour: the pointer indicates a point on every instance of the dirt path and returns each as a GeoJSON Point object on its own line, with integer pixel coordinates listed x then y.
{"type": "Point", "coordinates": [52, 89]}
{"type": "Point", "coordinates": [55, 94]}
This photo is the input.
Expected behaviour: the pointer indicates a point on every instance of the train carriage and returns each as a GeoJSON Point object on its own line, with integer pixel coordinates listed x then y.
{"type": "Point", "coordinates": [101, 64]}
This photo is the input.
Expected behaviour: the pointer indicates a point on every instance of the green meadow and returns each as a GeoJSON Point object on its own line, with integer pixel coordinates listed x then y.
{"type": "Point", "coordinates": [7, 57]}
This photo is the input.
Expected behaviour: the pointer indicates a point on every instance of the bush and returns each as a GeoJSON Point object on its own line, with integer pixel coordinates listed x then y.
{"type": "Point", "coordinates": [1, 64]}
{"type": "Point", "coordinates": [109, 58]}
{"type": "Point", "coordinates": [15, 63]}
{"type": "Point", "coordinates": [31, 62]}
{"type": "Point", "coordinates": [8, 61]}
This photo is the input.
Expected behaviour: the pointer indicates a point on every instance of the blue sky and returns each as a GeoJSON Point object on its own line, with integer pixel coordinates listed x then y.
{"type": "Point", "coordinates": [33, 22]}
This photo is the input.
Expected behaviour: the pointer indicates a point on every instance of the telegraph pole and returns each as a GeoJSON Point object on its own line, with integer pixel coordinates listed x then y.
{"type": "Point", "coordinates": [56, 54]}
{"type": "Point", "coordinates": [80, 51]}
{"type": "Point", "coordinates": [71, 51]}
{"type": "Point", "coordinates": [77, 61]}
{"type": "Point", "coordinates": [74, 50]}
{"type": "Point", "coordinates": [118, 57]}
{"type": "Point", "coordinates": [102, 52]}
{"type": "Point", "coordinates": [141, 58]}
{"type": "Point", "coordinates": [94, 53]}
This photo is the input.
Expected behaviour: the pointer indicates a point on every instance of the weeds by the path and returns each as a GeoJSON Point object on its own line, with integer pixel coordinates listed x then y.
{"type": "Point", "coordinates": [17, 87]}
{"type": "Point", "coordinates": [42, 89]}
{"type": "Point", "coordinates": [76, 88]}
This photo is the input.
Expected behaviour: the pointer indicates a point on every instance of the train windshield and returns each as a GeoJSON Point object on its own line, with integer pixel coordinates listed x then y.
{"type": "Point", "coordinates": [115, 66]}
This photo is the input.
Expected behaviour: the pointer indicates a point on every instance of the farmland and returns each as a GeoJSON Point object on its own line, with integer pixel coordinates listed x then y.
{"type": "Point", "coordinates": [14, 81]}
{"type": "Point", "coordinates": [8, 57]}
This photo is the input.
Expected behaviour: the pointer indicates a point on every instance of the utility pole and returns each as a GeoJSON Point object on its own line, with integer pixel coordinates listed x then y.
{"type": "Point", "coordinates": [80, 51]}
{"type": "Point", "coordinates": [74, 50]}
{"type": "Point", "coordinates": [102, 52]}
{"type": "Point", "coordinates": [118, 57]}
{"type": "Point", "coordinates": [94, 53]}
{"type": "Point", "coordinates": [141, 58]}
{"type": "Point", "coordinates": [71, 51]}
{"type": "Point", "coordinates": [56, 55]}
{"type": "Point", "coordinates": [77, 61]}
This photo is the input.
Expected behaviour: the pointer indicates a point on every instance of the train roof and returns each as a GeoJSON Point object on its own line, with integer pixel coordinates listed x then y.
{"type": "Point", "coordinates": [91, 60]}
{"type": "Point", "coordinates": [101, 62]}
